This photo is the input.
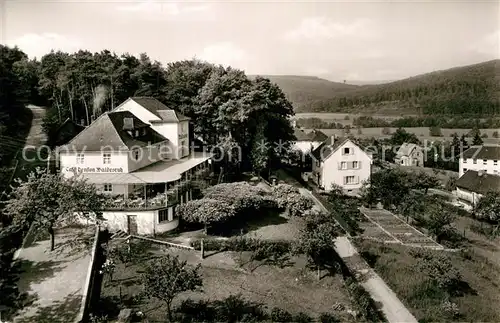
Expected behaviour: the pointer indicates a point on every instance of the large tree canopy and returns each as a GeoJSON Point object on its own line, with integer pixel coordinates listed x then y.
{"type": "Point", "coordinates": [223, 103]}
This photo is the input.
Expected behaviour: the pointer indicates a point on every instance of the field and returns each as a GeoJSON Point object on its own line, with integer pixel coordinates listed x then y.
{"type": "Point", "coordinates": [478, 291]}
{"type": "Point", "coordinates": [421, 132]}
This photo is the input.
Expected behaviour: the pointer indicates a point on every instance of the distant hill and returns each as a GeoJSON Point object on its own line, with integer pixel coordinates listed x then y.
{"type": "Point", "coordinates": [466, 90]}
{"type": "Point", "coordinates": [303, 91]}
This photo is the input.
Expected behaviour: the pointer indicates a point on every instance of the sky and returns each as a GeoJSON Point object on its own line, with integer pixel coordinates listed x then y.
{"type": "Point", "coordinates": [336, 40]}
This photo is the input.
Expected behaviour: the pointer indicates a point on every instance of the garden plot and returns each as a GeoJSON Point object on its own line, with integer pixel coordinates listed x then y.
{"type": "Point", "coordinates": [397, 229]}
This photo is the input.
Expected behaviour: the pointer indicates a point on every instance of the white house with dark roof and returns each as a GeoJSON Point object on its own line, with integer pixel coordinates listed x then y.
{"type": "Point", "coordinates": [483, 158]}
{"type": "Point", "coordinates": [472, 185]}
{"type": "Point", "coordinates": [342, 162]}
{"type": "Point", "coordinates": [307, 142]}
{"type": "Point", "coordinates": [409, 155]}
{"type": "Point", "coordinates": [138, 154]}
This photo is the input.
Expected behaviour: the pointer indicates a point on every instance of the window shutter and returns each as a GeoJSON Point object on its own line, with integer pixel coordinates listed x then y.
{"type": "Point", "coordinates": [357, 179]}
{"type": "Point", "coordinates": [340, 165]}
{"type": "Point", "coordinates": [359, 164]}
{"type": "Point", "coordinates": [345, 180]}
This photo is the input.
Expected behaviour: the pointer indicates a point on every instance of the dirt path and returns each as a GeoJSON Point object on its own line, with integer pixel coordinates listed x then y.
{"type": "Point", "coordinates": [36, 135]}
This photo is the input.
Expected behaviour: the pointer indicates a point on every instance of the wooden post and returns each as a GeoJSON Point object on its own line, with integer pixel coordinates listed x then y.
{"type": "Point", "coordinates": [202, 250]}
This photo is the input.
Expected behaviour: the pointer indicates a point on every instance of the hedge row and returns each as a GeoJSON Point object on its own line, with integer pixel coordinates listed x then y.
{"type": "Point", "coordinates": [244, 244]}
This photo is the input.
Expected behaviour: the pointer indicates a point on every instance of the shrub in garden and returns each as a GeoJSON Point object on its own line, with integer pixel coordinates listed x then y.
{"type": "Point", "coordinates": [206, 211]}
{"type": "Point", "coordinates": [328, 318]}
{"type": "Point", "coordinates": [280, 315]}
{"type": "Point", "coordinates": [289, 197]}
{"type": "Point", "coordinates": [441, 271]}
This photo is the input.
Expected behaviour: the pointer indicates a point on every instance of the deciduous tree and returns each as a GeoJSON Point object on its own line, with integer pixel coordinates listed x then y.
{"type": "Point", "coordinates": [167, 277]}
{"type": "Point", "coordinates": [46, 200]}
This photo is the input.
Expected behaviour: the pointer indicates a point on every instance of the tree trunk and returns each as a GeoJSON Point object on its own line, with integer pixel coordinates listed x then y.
{"type": "Point", "coordinates": [86, 110]}
{"type": "Point", "coordinates": [169, 312]}
{"type": "Point", "coordinates": [70, 97]}
{"type": "Point", "coordinates": [52, 238]}
{"type": "Point", "coordinates": [58, 108]}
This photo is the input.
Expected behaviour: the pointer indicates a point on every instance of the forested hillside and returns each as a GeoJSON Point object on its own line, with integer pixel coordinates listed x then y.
{"type": "Point", "coordinates": [469, 90]}
{"type": "Point", "coordinates": [306, 91]}
{"type": "Point", "coordinates": [227, 108]}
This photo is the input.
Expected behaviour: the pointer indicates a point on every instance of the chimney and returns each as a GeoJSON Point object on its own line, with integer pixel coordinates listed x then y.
{"type": "Point", "coordinates": [334, 138]}
{"type": "Point", "coordinates": [128, 123]}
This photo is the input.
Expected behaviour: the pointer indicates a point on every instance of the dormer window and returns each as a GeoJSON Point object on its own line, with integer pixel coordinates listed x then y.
{"type": "Point", "coordinates": [136, 154]}
{"type": "Point", "coordinates": [106, 158]}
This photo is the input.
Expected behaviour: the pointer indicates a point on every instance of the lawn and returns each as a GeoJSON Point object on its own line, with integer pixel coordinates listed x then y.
{"type": "Point", "coordinates": [293, 287]}
{"type": "Point", "coordinates": [480, 287]}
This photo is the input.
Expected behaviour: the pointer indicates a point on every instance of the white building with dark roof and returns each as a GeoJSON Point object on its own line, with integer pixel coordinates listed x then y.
{"type": "Point", "coordinates": [138, 154]}
{"type": "Point", "coordinates": [307, 142]}
{"type": "Point", "coordinates": [483, 158]}
{"type": "Point", "coordinates": [473, 185]}
{"type": "Point", "coordinates": [409, 155]}
{"type": "Point", "coordinates": [342, 162]}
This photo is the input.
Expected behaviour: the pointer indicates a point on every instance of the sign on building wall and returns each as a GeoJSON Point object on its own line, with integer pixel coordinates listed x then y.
{"type": "Point", "coordinates": [94, 169]}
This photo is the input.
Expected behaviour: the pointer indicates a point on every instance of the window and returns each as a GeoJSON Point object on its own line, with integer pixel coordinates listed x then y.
{"type": "Point", "coordinates": [465, 170]}
{"type": "Point", "coordinates": [343, 165]}
{"type": "Point", "coordinates": [485, 162]}
{"type": "Point", "coordinates": [474, 161]}
{"type": "Point", "coordinates": [355, 165]}
{"type": "Point", "coordinates": [80, 158]}
{"type": "Point", "coordinates": [495, 162]}
{"type": "Point", "coordinates": [106, 158]}
{"type": "Point", "coordinates": [108, 188]}
{"type": "Point", "coordinates": [350, 180]}
{"type": "Point", "coordinates": [347, 151]}
{"type": "Point", "coordinates": [166, 215]}
{"type": "Point", "coordinates": [465, 161]}
{"type": "Point", "coordinates": [136, 154]}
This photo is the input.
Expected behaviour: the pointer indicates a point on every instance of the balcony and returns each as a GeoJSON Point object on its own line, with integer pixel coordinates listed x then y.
{"type": "Point", "coordinates": [137, 202]}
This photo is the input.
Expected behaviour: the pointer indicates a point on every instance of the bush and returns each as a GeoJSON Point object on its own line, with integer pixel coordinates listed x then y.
{"type": "Point", "coordinates": [279, 315]}
{"type": "Point", "coordinates": [328, 318]}
{"type": "Point", "coordinates": [238, 244]}
{"type": "Point", "coordinates": [302, 318]}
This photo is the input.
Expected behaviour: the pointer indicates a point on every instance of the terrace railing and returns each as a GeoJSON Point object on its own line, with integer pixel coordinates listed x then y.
{"type": "Point", "coordinates": [156, 202]}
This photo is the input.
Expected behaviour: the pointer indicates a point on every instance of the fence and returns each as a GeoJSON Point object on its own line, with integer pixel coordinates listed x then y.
{"type": "Point", "coordinates": [89, 291]}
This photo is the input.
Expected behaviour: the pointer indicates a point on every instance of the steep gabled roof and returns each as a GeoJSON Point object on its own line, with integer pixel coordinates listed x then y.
{"type": "Point", "coordinates": [406, 149]}
{"type": "Point", "coordinates": [159, 109]}
{"type": "Point", "coordinates": [313, 136]}
{"type": "Point", "coordinates": [482, 152]}
{"type": "Point", "coordinates": [107, 131]}
{"type": "Point", "coordinates": [328, 147]}
{"type": "Point", "coordinates": [301, 135]}
{"type": "Point", "coordinates": [317, 135]}
{"type": "Point", "coordinates": [481, 184]}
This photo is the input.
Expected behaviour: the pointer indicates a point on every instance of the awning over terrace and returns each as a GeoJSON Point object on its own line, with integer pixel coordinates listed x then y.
{"type": "Point", "coordinates": [159, 172]}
